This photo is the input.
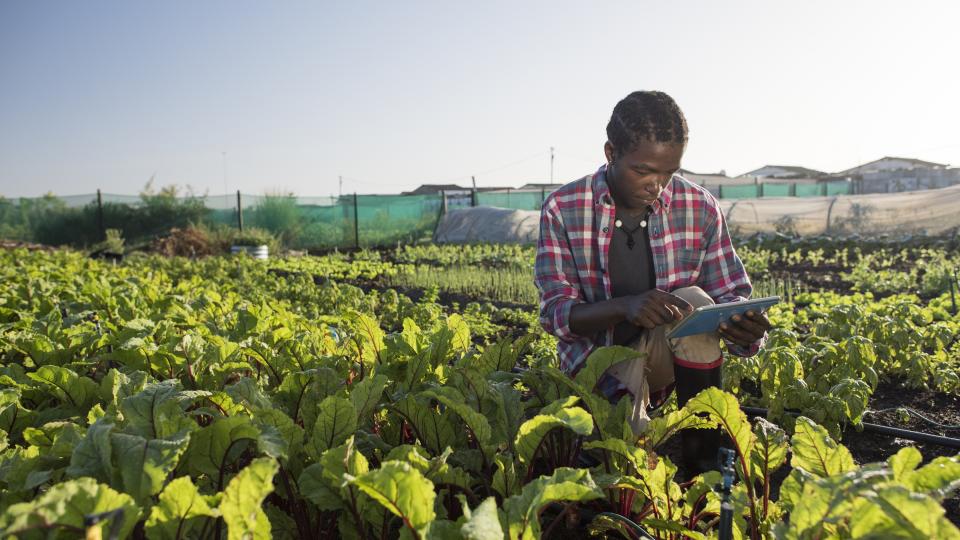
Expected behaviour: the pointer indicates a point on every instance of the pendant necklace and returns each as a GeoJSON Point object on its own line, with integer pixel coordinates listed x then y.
{"type": "Point", "coordinates": [629, 232]}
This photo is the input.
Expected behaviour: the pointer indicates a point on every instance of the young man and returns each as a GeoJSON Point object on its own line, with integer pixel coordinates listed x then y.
{"type": "Point", "coordinates": [627, 252]}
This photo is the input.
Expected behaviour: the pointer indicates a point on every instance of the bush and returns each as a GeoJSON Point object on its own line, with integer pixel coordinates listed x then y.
{"type": "Point", "coordinates": [192, 241]}
{"type": "Point", "coordinates": [156, 214]}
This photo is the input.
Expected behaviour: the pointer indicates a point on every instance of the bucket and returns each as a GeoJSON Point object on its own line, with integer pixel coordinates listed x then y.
{"type": "Point", "coordinates": [257, 252]}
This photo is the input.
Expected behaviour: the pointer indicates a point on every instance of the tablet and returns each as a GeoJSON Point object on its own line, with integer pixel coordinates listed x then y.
{"type": "Point", "coordinates": [708, 318]}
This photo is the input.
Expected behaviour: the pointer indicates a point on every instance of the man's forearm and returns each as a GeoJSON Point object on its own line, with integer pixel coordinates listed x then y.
{"type": "Point", "coordinates": [588, 319]}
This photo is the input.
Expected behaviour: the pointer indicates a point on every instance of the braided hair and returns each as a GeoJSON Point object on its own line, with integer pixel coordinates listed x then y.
{"type": "Point", "coordinates": [646, 115]}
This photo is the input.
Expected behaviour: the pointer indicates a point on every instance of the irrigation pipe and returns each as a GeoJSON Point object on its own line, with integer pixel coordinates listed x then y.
{"type": "Point", "coordinates": [914, 436]}
{"type": "Point", "coordinates": [918, 414]}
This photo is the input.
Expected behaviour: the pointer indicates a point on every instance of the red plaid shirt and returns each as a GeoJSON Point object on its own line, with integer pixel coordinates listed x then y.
{"type": "Point", "coordinates": [688, 240]}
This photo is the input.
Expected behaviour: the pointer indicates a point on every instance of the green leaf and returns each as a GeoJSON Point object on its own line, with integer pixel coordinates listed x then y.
{"type": "Point", "coordinates": [505, 480]}
{"type": "Point", "coordinates": [600, 361]}
{"type": "Point", "coordinates": [636, 457]}
{"type": "Point", "coordinates": [79, 393]}
{"type": "Point", "coordinates": [402, 490]}
{"type": "Point", "coordinates": [213, 447]}
{"type": "Point", "coordinates": [815, 452]}
{"type": "Point", "coordinates": [336, 421]}
{"type": "Point", "coordinates": [175, 514]}
{"type": "Point", "coordinates": [939, 478]}
{"type": "Point", "coordinates": [66, 504]}
{"type": "Point", "coordinates": [144, 464]}
{"type": "Point", "coordinates": [455, 401]}
{"type": "Point", "coordinates": [483, 523]}
{"type": "Point", "coordinates": [243, 498]}
{"type": "Point", "coordinates": [93, 457]}
{"type": "Point", "coordinates": [369, 337]}
{"type": "Point", "coordinates": [565, 484]}
{"type": "Point", "coordinates": [725, 410]}
{"type": "Point", "coordinates": [770, 450]}
{"type": "Point", "coordinates": [435, 430]}
{"type": "Point", "coordinates": [896, 512]}
{"type": "Point", "coordinates": [500, 356]}
{"type": "Point", "coordinates": [157, 412]}
{"type": "Point", "coordinates": [534, 430]}
{"type": "Point", "coordinates": [14, 418]}
{"type": "Point", "coordinates": [247, 392]}
{"type": "Point", "coordinates": [365, 396]}
{"type": "Point", "coordinates": [904, 462]}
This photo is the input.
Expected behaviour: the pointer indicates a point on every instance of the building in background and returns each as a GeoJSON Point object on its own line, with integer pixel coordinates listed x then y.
{"type": "Point", "coordinates": [785, 172]}
{"type": "Point", "coordinates": [894, 174]}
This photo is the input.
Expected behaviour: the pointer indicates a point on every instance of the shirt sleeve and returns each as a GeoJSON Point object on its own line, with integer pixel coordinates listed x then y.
{"type": "Point", "coordinates": [722, 275]}
{"type": "Point", "coordinates": [555, 274]}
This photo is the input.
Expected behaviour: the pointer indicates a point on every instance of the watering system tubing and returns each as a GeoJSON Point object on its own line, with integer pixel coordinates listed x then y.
{"type": "Point", "coordinates": [915, 436]}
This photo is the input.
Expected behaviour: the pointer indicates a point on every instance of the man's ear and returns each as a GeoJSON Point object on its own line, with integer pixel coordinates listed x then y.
{"type": "Point", "coordinates": [608, 151]}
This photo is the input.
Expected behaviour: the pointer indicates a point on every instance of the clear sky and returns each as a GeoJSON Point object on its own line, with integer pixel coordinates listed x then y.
{"type": "Point", "coordinates": [287, 96]}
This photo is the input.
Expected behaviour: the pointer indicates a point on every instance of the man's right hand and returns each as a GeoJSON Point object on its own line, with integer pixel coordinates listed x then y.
{"type": "Point", "coordinates": [654, 308]}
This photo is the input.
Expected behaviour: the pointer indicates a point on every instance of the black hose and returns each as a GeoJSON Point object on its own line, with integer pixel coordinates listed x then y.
{"type": "Point", "coordinates": [914, 436]}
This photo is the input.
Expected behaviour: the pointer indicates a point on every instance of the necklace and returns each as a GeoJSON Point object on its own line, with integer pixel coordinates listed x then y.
{"type": "Point", "coordinates": [629, 232]}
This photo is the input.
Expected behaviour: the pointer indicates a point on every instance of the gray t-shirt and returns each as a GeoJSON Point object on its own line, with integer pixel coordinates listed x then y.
{"type": "Point", "coordinates": [631, 269]}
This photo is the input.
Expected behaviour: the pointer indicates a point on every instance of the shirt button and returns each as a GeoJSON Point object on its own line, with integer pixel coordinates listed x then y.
{"type": "Point", "coordinates": [606, 229]}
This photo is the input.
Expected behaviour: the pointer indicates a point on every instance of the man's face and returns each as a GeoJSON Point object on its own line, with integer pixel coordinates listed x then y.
{"type": "Point", "coordinates": [638, 176]}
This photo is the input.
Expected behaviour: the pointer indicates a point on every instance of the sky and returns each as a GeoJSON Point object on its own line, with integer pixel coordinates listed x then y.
{"type": "Point", "coordinates": [276, 97]}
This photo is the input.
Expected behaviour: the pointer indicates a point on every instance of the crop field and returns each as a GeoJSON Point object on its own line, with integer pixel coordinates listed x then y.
{"type": "Point", "coordinates": [410, 392]}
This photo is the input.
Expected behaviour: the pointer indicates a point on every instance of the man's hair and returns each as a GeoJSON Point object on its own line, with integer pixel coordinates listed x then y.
{"type": "Point", "coordinates": [646, 116]}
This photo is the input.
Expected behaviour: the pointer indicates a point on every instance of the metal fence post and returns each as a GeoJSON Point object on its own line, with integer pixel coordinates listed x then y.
{"type": "Point", "coordinates": [356, 222]}
{"type": "Point", "coordinates": [103, 232]}
{"type": "Point", "coordinates": [473, 197]}
{"type": "Point", "coordinates": [239, 212]}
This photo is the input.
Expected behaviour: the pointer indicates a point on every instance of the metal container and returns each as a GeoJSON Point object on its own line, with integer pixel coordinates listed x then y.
{"type": "Point", "coordinates": [257, 252]}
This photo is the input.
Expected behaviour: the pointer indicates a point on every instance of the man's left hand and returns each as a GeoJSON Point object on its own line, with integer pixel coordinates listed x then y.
{"type": "Point", "coordinates": [745, 330]}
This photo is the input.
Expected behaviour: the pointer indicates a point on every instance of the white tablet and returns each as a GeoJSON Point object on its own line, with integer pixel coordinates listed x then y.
{"type": "Point", "coordinates": [708, 318]}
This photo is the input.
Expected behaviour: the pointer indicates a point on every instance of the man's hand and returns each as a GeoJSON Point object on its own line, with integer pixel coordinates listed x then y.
{"type": "Point", "coordinates": [654, 308]}
{"type": "Point", "coordinates": [745, 330]}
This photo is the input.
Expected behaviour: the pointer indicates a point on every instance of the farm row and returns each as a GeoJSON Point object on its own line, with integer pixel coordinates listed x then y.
{"type": "Point", "coordinates": [308, 398]}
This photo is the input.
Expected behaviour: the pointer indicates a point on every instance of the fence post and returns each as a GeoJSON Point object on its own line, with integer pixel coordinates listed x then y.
{"type": "Point", "coordinates": [443, 203]}
{"type": "Point", "coordinates": [103, 232]}
{"type": "Point", "coordinates": [793, 189]}
{"type": "Point", "coordinates": [356, 222]}
{"type": "Point", "coordinates": [543, 195]}
{"type": "Point", "coordinates": [239, 212]}
{"type": "Point", "coordinates": [473, 197]}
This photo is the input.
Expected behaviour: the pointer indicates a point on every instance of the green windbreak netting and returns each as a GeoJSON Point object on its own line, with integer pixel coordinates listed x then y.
{"type": "Point", "coordinates": [750, 191]}
{"type": "Point", "coordinates": [808, 190]}
{"type": "Point", "coordinates": [840, 187]}
{"type": "Point", "coordinates": [385, 219]}
{"type": "Point", "coordinates": [775, 190]}
{"type": "Point", "coordinates": [518, 200]}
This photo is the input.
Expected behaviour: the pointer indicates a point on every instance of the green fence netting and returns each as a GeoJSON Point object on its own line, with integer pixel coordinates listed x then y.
{"type": "Point", "coordinates": [841, 187]}
{"type": "Point", "coordinates": [775, 190]}
{"type": "Point", "coordinates": [751, 191]}
{"type": "Point", "coordinates": [808, 190]}
{"type": "Point", "coordinates": [518, 200]}
{"type": "Point", "coordinates": [299, 222]}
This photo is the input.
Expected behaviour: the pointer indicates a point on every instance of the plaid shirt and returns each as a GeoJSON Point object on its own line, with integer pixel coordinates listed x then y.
{"type": "Point", "coordinates": [688, 240]}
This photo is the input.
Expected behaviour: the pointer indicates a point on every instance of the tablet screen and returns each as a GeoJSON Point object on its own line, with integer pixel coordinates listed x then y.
{"type": "Point", "coordinates": [708, 318]}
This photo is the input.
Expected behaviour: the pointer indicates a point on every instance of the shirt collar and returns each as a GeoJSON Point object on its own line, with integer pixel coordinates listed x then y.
{"type": "Point", "coordinates": [601, 191]}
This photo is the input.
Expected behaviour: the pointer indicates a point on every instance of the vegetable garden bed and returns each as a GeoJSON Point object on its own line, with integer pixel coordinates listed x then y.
{"type": "Point", "coordinates": [213, 399]}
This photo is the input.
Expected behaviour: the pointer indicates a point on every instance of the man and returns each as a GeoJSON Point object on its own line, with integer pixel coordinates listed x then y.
{"type": "Point", "coordinates": [627, 252]}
